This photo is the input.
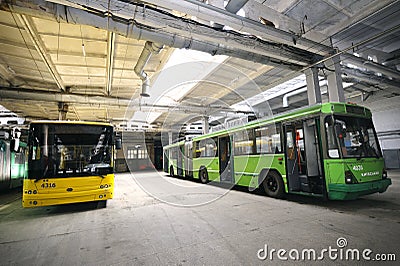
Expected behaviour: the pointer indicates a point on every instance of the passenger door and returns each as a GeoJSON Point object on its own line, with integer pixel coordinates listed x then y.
{"type": "Point", "coordinates": [188, 159]}
{"type": "Point", "coordinates": [291, 153]}
{"type": "Point", "coordinates": [179, 169]}
{"type": "Point", "coordinates": [303, 160]}
{"type": "Point", "coordinates": [225, 164]}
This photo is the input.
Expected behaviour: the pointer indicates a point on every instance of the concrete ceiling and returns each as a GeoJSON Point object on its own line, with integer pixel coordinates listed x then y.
{"type": "Point", "coordinates": [82, 54]}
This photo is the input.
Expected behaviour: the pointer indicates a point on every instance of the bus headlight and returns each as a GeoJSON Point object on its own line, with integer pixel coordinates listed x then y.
{"type": "Point", "coordinates": [349, 177]}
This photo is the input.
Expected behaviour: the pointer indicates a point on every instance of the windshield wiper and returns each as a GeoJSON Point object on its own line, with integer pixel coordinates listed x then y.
{"type": "Point", "coordinates": [102, 176]}
{"type": "Point", "coordinates": [43, 176]}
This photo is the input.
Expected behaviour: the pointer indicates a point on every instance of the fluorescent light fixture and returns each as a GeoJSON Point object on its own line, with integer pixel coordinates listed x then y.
{"type": "Point", "coordinates": [83, 50]}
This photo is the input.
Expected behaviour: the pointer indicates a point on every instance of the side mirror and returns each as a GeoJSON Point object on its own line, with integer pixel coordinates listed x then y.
{"type": "Point", "coordinates": [14, 145]}
{"type": "Point", "coordinates": [118, 143]}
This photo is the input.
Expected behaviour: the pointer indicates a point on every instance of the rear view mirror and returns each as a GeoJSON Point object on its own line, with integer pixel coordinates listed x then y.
{"type": "Point", "coordinates": [14, 145]}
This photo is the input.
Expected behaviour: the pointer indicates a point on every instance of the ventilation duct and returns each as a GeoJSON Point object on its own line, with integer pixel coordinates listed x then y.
{"type": "Point", "coordinates": [234, 6]}
{"type": "Point", "coordinates": [149, 49]}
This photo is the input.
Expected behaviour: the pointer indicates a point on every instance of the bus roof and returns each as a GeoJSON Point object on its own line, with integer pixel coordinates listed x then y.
{"type": "Point", "coordinates": [327, 108]}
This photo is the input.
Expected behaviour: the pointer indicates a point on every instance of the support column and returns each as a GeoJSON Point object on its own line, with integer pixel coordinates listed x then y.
{"type": "Point", "coordinates": [170, 137]}
{"type": "Point", "coordinates": [206, 126]}
{"type": "Point", "coordinates": [62, 111]}
{"type": "Point", "coordinates": [313, 89]}
{"type": "Point", "coordinates": [335, 83]}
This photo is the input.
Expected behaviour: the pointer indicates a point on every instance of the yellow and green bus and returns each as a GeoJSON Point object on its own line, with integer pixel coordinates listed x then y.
{"type": "Point", "coordinates": [69, 162]}
{"type": "Point", "coordinates": [327, 150]}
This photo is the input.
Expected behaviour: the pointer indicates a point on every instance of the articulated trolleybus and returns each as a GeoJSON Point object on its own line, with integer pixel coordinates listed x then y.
{"type": "Point", "coordinates": [69, 162]}
{"type": "Point", "coordinates": [328, 150]}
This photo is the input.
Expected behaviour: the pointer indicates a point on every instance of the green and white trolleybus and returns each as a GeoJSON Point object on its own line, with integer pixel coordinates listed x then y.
{"type": "Point", "coordinates": [328, 150]}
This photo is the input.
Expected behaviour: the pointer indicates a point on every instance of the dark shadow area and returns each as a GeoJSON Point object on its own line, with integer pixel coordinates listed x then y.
{"type": "Point", "coordinates": [8, 196]}
{"type": "Point", "coordinates": [15, 212]}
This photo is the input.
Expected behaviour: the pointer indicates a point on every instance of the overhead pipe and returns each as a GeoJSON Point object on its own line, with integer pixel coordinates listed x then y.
{"type": "Point", "coordinates": [368, 64]}
{"type": "Point", "coordinates": [234, 6]}
{"type": "Point", "coordinates": [149, 49]}
{"type": "Point", "coordinates": [206, 11]}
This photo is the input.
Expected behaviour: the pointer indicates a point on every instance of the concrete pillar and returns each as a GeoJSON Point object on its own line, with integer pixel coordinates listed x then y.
{"type": "Point", "coordinates": [313, 89]}
{"type": "Point", "coordinates": [335, 84]}
{"type": "Point", "coordinates": [206, 126]}
{"type": "Point", "coordinates": [170, 137]}
{"type": "Point", "coordinates": [62, 111]}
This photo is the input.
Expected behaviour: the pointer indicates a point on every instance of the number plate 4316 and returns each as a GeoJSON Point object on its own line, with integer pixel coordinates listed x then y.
{"type": "Point", "coordinates": [48, 185]}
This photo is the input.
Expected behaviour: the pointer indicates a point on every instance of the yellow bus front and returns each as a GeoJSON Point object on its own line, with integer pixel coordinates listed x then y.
{"type": "Point", "coordinates": [54, 191]}
{"type": "Point", "coordinates": [68, 162]}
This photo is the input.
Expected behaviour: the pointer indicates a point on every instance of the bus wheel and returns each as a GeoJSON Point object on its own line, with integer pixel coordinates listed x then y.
{"type": "Point", "coordinates": [101, 204]}
{"type": "Point", "coordinates": [203, 174]}
{"type": "Point", "coordinates": [273, 185]}
{"type": "Point", "coordinates": [171, 171]}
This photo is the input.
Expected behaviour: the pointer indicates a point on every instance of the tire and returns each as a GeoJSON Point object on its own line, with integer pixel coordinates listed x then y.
{"type": "Point", "coordinates": [101, 204]}
{"type": "Point", "coordinates": [273, 185]}
{"type": "Point", "coordinates": [171, 171]}
{"type": "Point", "coordinates": [203, 176]}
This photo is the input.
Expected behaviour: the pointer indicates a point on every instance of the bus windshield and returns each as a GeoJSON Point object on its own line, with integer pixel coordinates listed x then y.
{"type": "Point", "coordinates": [354, 137]}
{"type": "Point", "coordinates": [64, 150]}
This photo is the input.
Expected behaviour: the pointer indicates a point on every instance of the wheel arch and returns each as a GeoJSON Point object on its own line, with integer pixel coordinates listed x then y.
{"type": "Point", "coordinates": [201, 168]}
{"type": "Point", "coordinates": [264, 172]}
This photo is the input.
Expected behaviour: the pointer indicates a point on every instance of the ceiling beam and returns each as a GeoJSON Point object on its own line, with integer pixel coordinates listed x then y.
{"type": "Point", "coordinates": [30, 28]}
{"type": "Point", "coordinates": [17, 44]}
{"type": "Point", "coordinates": [72, 53]}
{"type": "Point", "coordinates": [77, 37]}
{"type": "Point", "coordinates": [35, 96]}
{"type": "Point", "coordinates": [255, 11]}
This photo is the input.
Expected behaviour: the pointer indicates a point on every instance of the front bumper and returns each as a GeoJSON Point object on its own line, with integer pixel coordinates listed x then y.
{"type": "Point", "coordinates": [353, 191]}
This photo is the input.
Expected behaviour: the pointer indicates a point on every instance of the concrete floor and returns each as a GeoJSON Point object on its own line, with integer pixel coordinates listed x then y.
{"type": "Point", "coordinates": [216, 226]}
